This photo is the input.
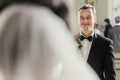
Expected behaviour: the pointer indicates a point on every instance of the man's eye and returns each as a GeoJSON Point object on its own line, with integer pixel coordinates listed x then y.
{"type": "Point", "coordinates": [81, 18]}
{"type": "Point", "coordinates": [88, 18]}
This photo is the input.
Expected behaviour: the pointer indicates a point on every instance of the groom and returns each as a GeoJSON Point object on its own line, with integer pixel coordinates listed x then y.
{"type": "Point", "coordinates": [96, 50]}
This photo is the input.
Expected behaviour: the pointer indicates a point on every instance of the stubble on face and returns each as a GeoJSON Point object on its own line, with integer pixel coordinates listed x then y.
{"type": "Point", "coordinates": [87, 20]}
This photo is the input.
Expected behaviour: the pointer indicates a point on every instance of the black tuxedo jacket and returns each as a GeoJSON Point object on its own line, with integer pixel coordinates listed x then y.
{"type": "Point", "coordinates": [101, 57]}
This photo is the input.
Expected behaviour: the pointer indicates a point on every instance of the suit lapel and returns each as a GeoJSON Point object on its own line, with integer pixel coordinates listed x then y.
{"type": "Point", "coordinates": [93, 47]}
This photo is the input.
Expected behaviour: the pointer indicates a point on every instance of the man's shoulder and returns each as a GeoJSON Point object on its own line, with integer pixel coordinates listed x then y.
{"type": "Point", "coordinates": [77, 36]}
{"type": "Point", "coordinates": [103, 39]}
{"type": "Point", "coordinates": [114, 28]}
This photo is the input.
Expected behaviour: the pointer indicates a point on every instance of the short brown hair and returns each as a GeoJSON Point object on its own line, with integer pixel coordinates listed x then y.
{"type": "Point", "coordinates": [117, 19]}
{"type": "Point", "coordinates": [87, 6]}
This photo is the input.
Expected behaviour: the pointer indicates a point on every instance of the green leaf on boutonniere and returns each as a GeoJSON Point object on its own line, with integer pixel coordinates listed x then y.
{"type": "Point", "coordinates": [79, 43]}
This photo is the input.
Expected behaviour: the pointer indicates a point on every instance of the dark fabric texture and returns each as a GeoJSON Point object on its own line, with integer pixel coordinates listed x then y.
{"type": "Point", "coordinates": [101, 57]}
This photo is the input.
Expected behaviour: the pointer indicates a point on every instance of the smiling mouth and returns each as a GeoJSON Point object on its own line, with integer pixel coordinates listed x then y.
{"type": "Point", "coordinates": [86, 24]}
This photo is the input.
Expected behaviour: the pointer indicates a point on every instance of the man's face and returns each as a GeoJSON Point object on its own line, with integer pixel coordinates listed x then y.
{"type": "Point", "coordinates": [87, 20]}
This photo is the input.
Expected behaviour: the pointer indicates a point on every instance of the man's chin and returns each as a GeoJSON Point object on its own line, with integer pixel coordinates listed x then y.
{"type": "Point", "coordinates": [86, 30]}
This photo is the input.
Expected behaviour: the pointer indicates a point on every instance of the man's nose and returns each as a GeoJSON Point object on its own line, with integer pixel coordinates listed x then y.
{"type": "Point", "coordinates": [85, 20]}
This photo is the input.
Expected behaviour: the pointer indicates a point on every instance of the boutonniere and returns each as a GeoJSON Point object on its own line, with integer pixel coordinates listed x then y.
{"type": "Point", "coordinates": [79, 43]}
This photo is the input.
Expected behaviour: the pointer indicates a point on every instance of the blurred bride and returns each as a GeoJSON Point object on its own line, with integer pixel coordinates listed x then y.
{"type": "Point", "coordinates": [35, 43]}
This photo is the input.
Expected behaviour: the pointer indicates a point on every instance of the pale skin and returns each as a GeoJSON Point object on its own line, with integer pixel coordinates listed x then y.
{"type": "Point", "coordinates": [87, 21]}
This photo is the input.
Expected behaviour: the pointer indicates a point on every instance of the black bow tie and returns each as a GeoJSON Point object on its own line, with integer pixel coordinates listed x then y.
{"type": "Point", "coordinates": [89, 38]}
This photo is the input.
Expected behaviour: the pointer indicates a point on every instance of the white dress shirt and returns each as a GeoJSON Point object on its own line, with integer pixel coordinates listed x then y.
{"type": "Point", "coordinates": [86, 46]}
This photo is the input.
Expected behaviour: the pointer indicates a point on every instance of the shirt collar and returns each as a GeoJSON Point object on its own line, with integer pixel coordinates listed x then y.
{"type": "Point", "coordinates": [89, 35]}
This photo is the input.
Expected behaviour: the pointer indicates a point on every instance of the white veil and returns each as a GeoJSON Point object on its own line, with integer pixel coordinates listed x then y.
{"type": "Point", "coordinates": [36, 45]}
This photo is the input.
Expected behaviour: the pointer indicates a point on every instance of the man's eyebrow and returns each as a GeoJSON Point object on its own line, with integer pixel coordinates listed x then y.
{"type": "Point", "coordinates": [86, 16]}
